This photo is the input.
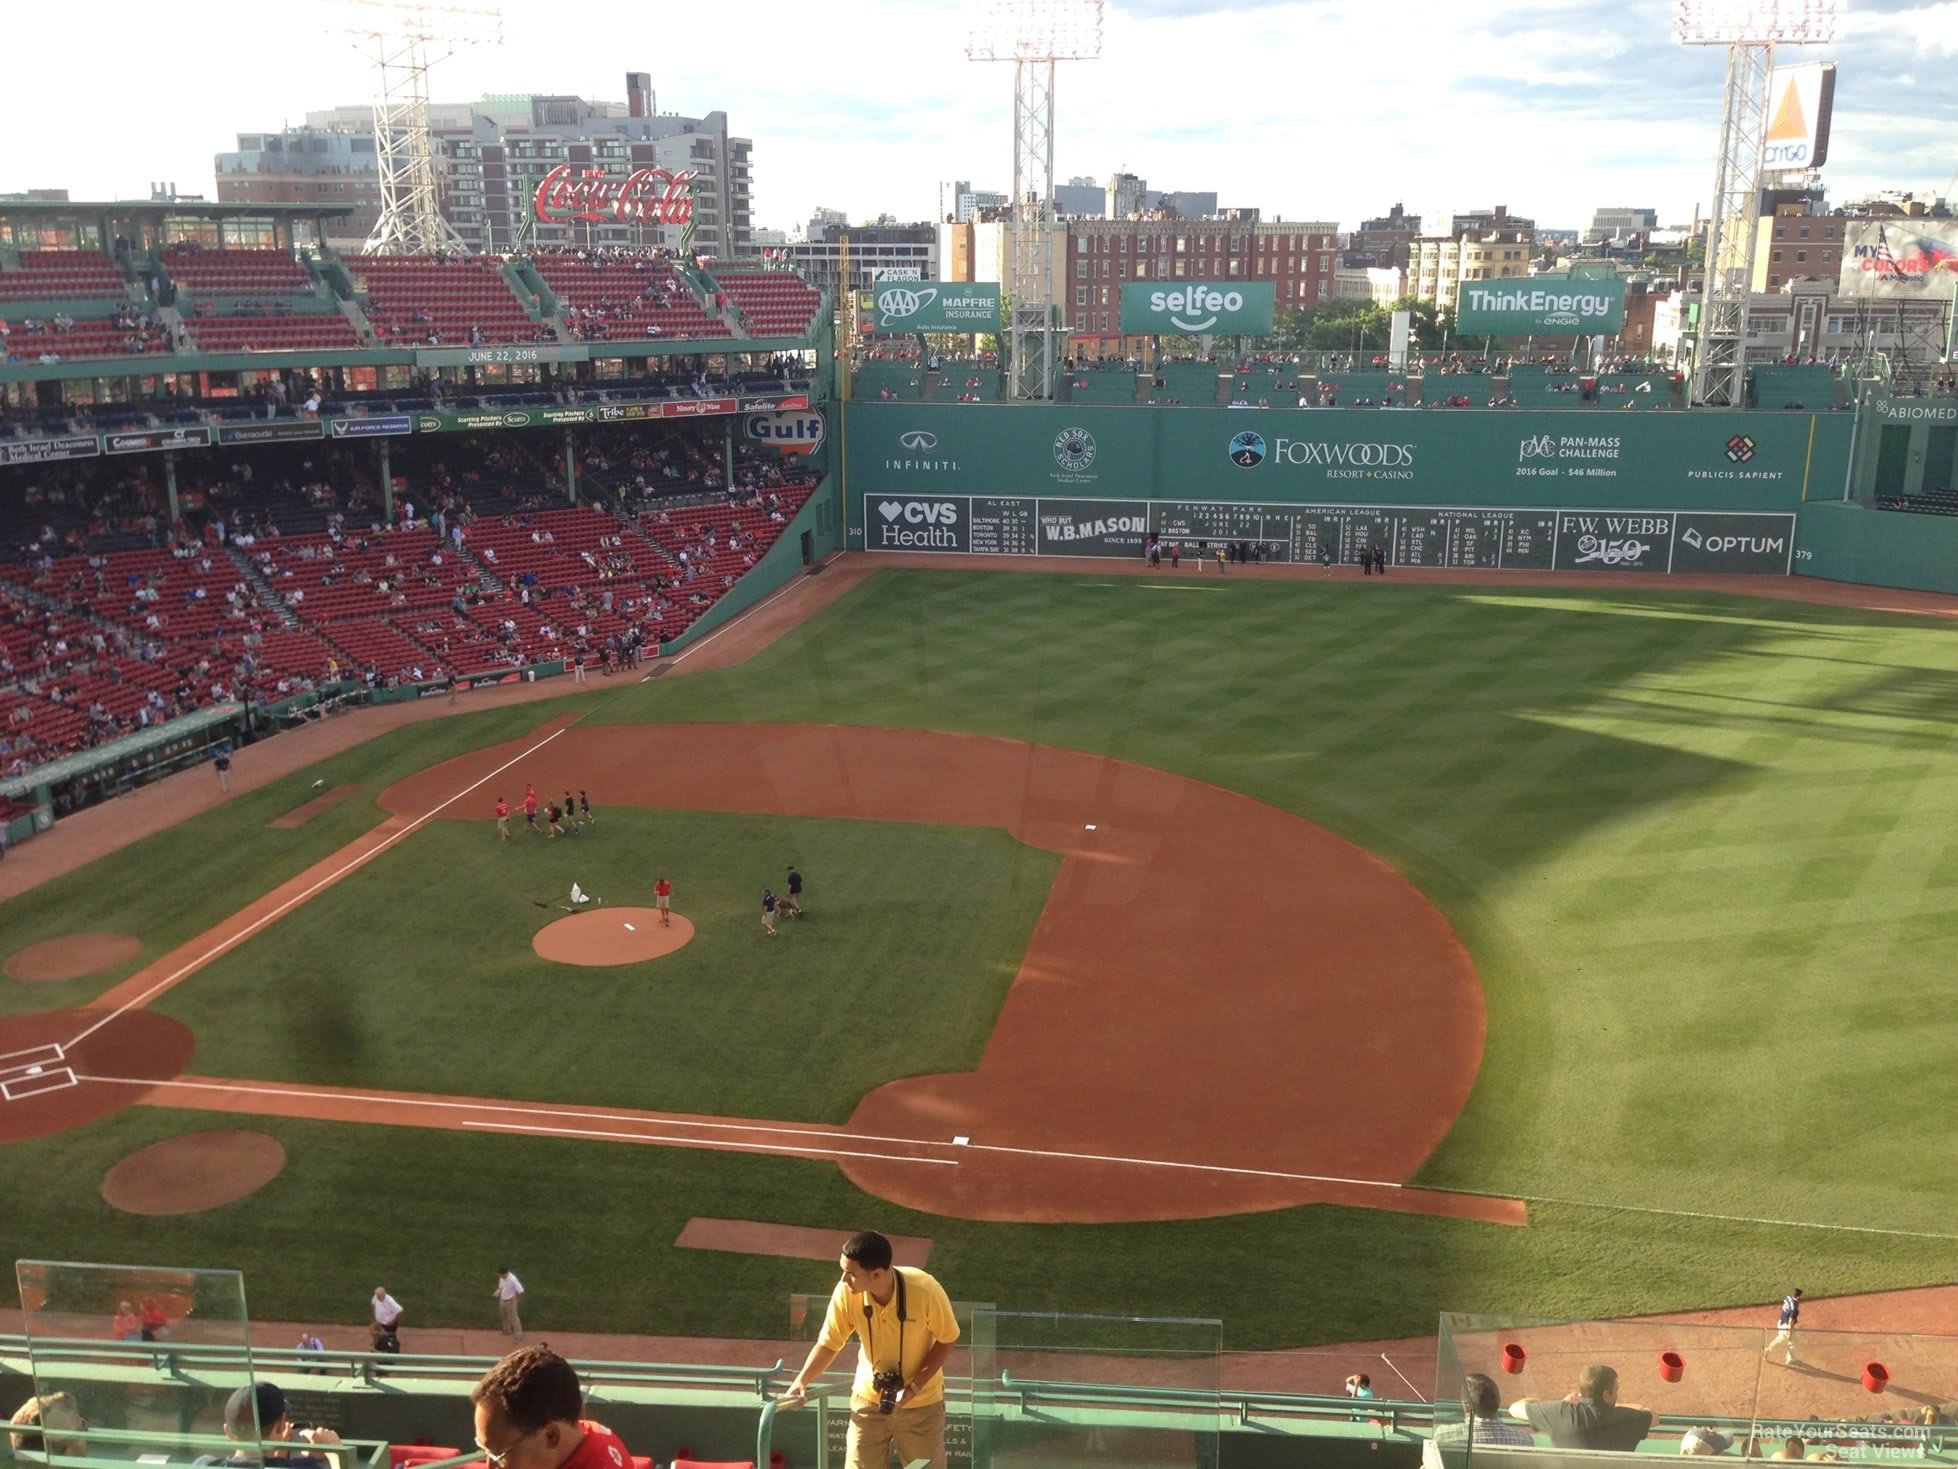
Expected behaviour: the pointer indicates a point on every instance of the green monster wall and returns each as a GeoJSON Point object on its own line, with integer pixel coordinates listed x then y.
{"type": "Point", "coordinates": [1588, 490]}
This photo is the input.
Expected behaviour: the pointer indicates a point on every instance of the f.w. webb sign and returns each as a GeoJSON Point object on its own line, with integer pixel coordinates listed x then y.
{"type": "Point", "coordinates": [1540, 308]}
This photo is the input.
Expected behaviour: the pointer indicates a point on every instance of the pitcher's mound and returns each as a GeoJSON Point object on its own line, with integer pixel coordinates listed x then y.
{"type": "Point", "coordinates": [198, 1171]}
{"type": "Point", "coordinates": [611, 936]}
{"type": "Point", "coordinates": [72, 956]}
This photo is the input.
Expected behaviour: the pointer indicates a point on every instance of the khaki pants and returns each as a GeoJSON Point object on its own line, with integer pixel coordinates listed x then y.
{"type": "Point", "coordinates": [506, 1314]}
{"type": "Point", "coordinates": [916, 1433]}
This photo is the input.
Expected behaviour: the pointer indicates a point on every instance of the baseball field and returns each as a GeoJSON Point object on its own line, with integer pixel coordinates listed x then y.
{"type": "Point", "coordinates": [1317, 954]}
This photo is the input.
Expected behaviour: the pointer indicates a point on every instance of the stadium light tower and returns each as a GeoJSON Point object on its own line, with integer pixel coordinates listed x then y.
{"type": "Point", "coordinates": [404, 38]}
{"type": "Point", "coordinates": [1033, 35]}
{"type": "Point", "coordinates": [1750, 30]}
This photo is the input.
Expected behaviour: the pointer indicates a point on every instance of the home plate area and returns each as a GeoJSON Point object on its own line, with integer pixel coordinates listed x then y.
{"type": "Point", "coordinates": [601, 936]}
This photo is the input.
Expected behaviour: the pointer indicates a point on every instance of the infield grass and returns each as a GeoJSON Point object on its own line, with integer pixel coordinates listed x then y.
{"type": "Point", "coordinates": [1703, 850]}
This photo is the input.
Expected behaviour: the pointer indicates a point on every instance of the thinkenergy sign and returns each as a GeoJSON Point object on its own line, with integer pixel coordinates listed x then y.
{"type": "Point", "coordinates": [1581, 308]}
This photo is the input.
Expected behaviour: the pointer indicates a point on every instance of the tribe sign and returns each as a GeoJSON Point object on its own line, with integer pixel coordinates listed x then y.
{"type": "Point", "coordinates": [648, 195]}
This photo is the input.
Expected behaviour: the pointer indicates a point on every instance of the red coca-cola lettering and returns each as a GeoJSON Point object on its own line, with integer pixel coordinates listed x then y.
{"type": "Point", "coordinates": [649, 195]}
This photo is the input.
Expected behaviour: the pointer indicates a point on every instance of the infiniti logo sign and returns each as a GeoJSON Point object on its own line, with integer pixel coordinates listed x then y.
{"type": "Point", "coordinates": [917, 451]}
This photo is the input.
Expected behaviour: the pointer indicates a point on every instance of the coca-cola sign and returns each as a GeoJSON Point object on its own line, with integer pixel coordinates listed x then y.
{"type": "Point", "coordinates": [648, 195]}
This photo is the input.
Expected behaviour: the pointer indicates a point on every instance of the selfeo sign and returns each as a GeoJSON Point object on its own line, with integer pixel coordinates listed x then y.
{"type": "Point", "coordinates": [1198, 308]}
{"type": "Point", "coordinates": [1540, 308]}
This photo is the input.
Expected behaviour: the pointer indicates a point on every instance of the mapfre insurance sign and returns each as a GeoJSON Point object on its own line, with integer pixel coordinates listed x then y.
{"type": "Point", "coordinates": [793, 432]}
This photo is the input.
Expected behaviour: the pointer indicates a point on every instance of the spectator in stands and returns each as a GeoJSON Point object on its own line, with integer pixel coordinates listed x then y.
{"type": "Point", "coordinates": [56, 1414]}
{"type": "Point", "coordinates": [904, 1319]}
{"type": "Point", "coordinates": [266, 1402]}
{"type": "Point", "coordinates": [1705, 1442]}
{"type": "Point", "coordinates": [1792, 1447]}
{"type": "Point", "coordinates": [1590, 1418]}
{"type": "Point", "coordinates": [1480, 1425]}
{"type": "Point", "coordinates": [527, 1417]}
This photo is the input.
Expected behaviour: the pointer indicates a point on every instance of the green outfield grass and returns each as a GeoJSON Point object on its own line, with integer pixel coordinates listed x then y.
{"type": "Point", "coordinates": [1700, 847]}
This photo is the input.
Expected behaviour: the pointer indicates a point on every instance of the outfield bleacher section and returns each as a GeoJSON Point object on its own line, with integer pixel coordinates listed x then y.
{"type": "Point", "coordinates": [963, 382]}
{"type": "Point", "coordinates": [1811, 387]}
{"type": "Point", "coordinates": [1094, 384]}
{"type": "Point", "coordinates": [1190, 384]}
{"type": "Point", "coordinates": [887, 379]}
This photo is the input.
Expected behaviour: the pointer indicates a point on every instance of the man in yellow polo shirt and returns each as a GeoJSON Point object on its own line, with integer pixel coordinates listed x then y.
{"type": "Point", "coordinates": [904, 1320]}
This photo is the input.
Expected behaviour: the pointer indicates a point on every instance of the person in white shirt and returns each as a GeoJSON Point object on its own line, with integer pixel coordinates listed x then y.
{"type": "Point", "coordinates": [387, 1312]}
{"type": "Point", "coordinates": [508, 1288]}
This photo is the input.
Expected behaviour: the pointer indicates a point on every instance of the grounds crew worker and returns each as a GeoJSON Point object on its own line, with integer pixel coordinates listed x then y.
{"type": "Point", "coordinates": [904, 1319]}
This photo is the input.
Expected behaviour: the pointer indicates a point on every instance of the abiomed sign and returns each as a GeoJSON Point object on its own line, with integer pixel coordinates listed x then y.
{"type": "Point", "coordinates": [1566, 308]}
{"type": "Point", "coordinates": [936, 306]}
{"type": "Point", "coordinates": [1198, 308]}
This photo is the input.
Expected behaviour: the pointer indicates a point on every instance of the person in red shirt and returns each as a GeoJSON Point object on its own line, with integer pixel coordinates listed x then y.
{"type": "Point", "coordinates": [663, 898]}
{"type": "Point", "coordinates": [527, 1417]}
{"type": "Point", "coordinates": [502, 819]}
{"type": "Point", "coordinates": [530, 807]}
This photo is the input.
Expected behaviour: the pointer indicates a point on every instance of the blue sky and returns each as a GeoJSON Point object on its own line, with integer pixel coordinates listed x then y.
{"type": "Point", "coordinates": [1307, 110]}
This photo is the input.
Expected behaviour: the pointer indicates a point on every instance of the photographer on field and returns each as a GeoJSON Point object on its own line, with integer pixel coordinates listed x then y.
{"type": "Point", "coordinates": [904, 1320]}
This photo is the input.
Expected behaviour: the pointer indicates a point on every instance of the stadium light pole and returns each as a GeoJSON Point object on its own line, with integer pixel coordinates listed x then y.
{"type": "Point", "coordinates": [1033, 35]}
{"type": "Point", "coordinates": [1750, 30]}
{"type": "Point", "coordinates": [398, 36]}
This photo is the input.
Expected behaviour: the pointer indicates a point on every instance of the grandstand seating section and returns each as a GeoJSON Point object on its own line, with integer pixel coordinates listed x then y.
{"type": "Point", "coordinates": [310, 331]}
{"type": "Point", "coordinates": [222, 605]}
{"type": "Point", "coordinates": [1778, 386]}
{"type": "Point", "coordinates": [237, 273]}
{"type": "Point", "coordinates": [613, 283]}
{"type": "Point", "coordinates": [62, 275]}
{"type": "Point", "coordinates": [773, 303]}
{"type": "Point", "coordinates": [89, 337]}
{"type": "Point", "coordinates": [408, 296]}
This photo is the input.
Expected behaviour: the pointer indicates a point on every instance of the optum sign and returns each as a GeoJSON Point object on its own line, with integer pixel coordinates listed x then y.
{"type": "Point", "coordinates": [1198, 308]}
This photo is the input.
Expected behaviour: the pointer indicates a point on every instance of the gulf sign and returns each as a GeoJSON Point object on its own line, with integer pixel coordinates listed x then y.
{"type": "Point", "coordinates": [792, 433]}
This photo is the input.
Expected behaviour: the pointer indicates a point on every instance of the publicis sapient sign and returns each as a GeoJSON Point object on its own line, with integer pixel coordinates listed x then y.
{"type": "Point", "coordinates": [1575, 308]}
{"type": "Point", "coordinates": [591, 195]}
{"type": "Point", "coordinates": [1198, 308]}
{"type": "Point", "coordinates": [935, 306]}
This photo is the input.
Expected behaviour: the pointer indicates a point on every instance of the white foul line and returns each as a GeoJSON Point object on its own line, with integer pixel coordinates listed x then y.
{"type": "Point", "coordinates": [678, 658]}
{"type": "Point", "coordinates": [686, 1142]}
{"type": "Point", "coordinates": [970, 1147]}
{"type": "Point", "coordinates": [296, 899]}
{"type": "Point", "coordinates": [1403, 1377]}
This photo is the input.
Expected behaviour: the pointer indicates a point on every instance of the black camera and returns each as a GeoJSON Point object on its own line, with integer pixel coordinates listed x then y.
{"type": "Point", "coordinates": [887, 1385]}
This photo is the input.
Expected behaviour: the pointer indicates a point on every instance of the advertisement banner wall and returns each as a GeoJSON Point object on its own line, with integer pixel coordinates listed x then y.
{"type": "Point", "coordinates": [376, 426]}
{"type": "Point", "coordinates": [150, 442]}
{"type": "Point", "coordinates": [1494, 538]}
{"type": "Point", "coordinates": [935, 306]}
{"type": "Point", "coordinates": [1198, 308]}
{"type": "Point", "coordinates": [1701, 461]}
{"type": "Point", "coordinates": [1540, 308]}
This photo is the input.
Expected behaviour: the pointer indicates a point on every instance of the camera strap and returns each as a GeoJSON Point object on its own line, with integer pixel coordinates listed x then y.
{"type": "Point", "coordinates": [870, 1322]}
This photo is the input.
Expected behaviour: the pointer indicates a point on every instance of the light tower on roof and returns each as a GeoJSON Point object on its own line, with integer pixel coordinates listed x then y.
{"type": "Point", "coordinates": [404, 38]}
{"type": "Point", "coordinates": [1033, 35]}
{"type": "Point", "coordinates": [1750, 30]}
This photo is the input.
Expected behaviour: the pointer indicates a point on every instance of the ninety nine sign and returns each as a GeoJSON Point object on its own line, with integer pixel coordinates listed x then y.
{"type": "Point", "coordinates": [1198, 308]}
{"type": "Point", "coordinates": [936, 306]}
{"type": "Point", "coordinates": [1568, 308]}
{"type": "Point", "coordinates": [648, 195]}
